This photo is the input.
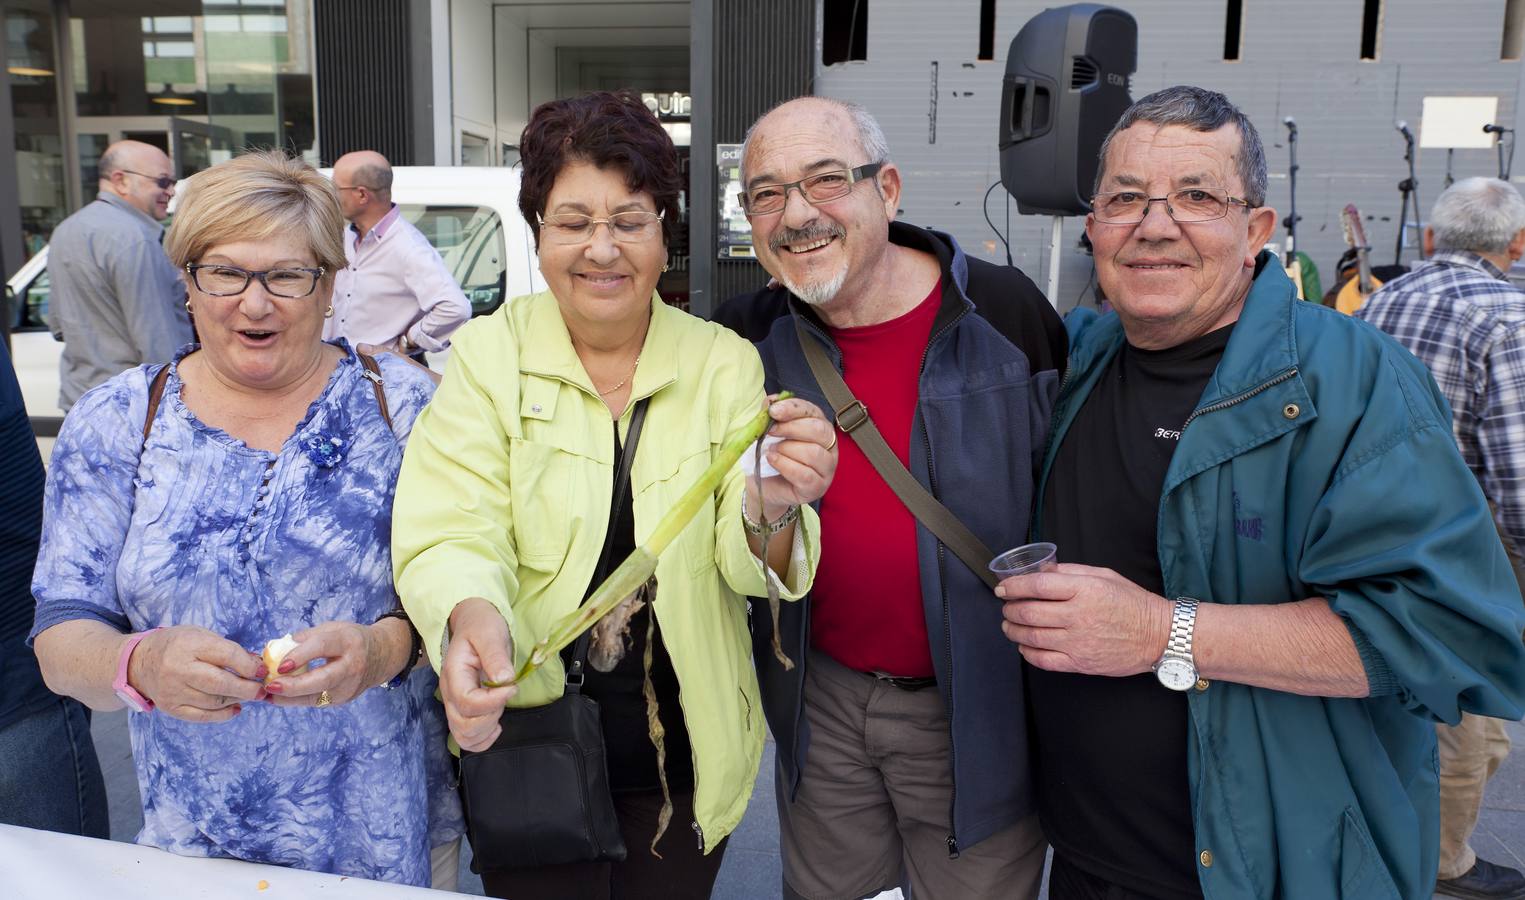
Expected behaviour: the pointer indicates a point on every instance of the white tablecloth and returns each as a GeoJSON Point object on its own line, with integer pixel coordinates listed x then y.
{"type": "Point", "coordinates": [42, 865]}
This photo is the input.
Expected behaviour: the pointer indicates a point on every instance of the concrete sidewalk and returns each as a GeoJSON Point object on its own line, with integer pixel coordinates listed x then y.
{"type": "Point", "coordinates": [751, 869]}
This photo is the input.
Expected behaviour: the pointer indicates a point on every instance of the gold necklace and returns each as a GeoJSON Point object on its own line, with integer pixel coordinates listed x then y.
{"type": "Point", "coordinates": [622, 380]}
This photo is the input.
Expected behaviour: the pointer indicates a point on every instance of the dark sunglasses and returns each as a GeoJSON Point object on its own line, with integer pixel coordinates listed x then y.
{"type": "Point", "coordinates": [162, 182]}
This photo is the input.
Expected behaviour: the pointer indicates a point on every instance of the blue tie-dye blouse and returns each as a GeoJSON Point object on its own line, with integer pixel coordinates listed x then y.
{"type": "Point", "coordinates": [204, 530]}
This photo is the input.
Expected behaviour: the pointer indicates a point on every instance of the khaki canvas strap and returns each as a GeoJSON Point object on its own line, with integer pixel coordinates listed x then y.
{"type": "Point", "coordinates": [852, 417]}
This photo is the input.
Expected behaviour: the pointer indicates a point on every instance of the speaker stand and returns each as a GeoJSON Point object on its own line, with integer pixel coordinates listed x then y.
{"type": "Point", "coordinates": [1056, 235]}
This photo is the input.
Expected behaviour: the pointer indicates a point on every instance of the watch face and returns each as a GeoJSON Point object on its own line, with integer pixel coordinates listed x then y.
{"type": "Point", "coordinates": [1176, 673]}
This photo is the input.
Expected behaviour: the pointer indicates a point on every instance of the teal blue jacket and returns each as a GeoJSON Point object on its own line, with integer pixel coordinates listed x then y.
{"type": "Point", "coordinates": [1320, 462]}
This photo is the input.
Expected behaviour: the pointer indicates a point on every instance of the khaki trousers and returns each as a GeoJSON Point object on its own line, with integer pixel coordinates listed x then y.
{"type": "Point", "coordinates": [1470, 753]}
{"type": "Point", "coordinates": [876, 792]}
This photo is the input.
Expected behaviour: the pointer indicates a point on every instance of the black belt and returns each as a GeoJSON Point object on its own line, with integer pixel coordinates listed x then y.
{"type": "Point", "coordinates": [904, 682]}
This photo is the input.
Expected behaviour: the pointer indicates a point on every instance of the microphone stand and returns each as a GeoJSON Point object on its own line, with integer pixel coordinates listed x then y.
{"type": "Point", "coordinates": [1290, 222]}
{"type": "Point", "coordinates": [1409, 188]}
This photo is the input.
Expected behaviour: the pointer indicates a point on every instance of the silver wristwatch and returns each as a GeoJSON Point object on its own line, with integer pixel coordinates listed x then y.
{"type": "Point", "coordinates": [1176, 668]}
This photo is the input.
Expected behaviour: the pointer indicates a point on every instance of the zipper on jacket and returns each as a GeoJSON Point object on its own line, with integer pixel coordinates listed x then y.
{"type": "Point", "coordinates": [1234, 401]}
{"type": "Point", "coordinates": [942, 585]}
{"type": "Point", "coordinates": [700, 833]}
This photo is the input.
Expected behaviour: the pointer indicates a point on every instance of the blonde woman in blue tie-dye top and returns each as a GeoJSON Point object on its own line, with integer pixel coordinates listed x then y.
{"type": "Point", "coordinates": [259, 503]}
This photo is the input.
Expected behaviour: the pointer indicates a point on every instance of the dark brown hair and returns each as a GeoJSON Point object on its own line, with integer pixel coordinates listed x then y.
{"type": "Point", "coordinates": [611, 131]}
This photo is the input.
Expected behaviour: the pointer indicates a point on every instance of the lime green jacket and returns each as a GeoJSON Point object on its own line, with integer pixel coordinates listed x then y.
{"type": "Point", "coordinates": [505, 494]}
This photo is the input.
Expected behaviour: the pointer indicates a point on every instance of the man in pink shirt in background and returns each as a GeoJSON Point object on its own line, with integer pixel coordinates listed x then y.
{"type": "Point", "coordinates": [395, 292]}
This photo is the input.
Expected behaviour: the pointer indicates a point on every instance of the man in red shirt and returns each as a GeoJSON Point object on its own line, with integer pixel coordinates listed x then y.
{"type": "Point", "coordinates": [902, 743]}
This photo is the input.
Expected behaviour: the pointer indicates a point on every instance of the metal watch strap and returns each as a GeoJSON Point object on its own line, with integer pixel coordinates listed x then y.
{"type": "Point", "coordinates": [1183, 622]}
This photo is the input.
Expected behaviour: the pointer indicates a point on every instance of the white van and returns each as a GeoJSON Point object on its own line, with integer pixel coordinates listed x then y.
{"type": "Point", "coordinates": [470, 215]}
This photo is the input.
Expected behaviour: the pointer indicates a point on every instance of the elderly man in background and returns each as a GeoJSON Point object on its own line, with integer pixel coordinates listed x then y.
{"type": "Point", "coordinates": [902, 747]}
{"type": "Point", "coordinates": [117, 301]}
{"type": "Point", "coordinates": [1462, 317]}
{"type": "Point", "coordinates": [394, 293]}
{"type": "Point", "coordinates": [1276, 572]}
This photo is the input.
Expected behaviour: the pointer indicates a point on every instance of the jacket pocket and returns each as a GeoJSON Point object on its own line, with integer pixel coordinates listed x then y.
{"type": "Point", "coordinates": [1363, 874]}
{"type": "Point", "coordinates": [540, 480]}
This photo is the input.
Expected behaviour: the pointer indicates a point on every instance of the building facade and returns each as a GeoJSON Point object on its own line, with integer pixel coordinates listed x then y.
{"type": "Point", "coordinates": [452, 82]}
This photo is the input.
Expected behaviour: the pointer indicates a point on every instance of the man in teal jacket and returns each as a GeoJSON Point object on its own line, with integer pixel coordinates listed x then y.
{"type": "Point", "coordinates": [1260, 501]}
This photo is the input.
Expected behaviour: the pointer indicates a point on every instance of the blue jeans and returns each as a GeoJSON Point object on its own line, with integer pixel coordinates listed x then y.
{"type": "Point", "coordinates": [50, 778]}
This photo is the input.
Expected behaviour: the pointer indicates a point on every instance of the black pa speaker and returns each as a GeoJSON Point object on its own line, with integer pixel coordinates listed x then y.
{"type": "Point", "coordinates": [1066, 85]}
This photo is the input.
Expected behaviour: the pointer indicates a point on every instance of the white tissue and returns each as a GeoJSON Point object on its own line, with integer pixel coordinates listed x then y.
{"type": "Point", "coordinates": [768, 441]}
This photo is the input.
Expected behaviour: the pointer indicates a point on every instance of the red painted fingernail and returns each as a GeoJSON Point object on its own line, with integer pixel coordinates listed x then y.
{"type": "Point", "coordinates": [261, 672]}
{"type": "Point", "coordinates": [286, 667]}
{"type": "Point", "coordinates": [275, 687]}
{"type": "Point", "coordinates": [236, 709]}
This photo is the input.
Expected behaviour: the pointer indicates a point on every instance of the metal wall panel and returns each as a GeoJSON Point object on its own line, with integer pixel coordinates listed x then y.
{"type": "Point", "coordinates": [1298, 58]}
{"type": "Point", "coordinates": [763, 54]}
{"type": "Point", "coordinates": [364, 71]}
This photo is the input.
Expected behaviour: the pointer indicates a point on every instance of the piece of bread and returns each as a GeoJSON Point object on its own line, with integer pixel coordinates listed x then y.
{"type": "Point", "coordinates": [275, 651]}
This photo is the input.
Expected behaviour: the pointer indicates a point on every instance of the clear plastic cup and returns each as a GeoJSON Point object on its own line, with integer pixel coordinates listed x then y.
{"type": "Point", "coordinates": [1024, 559]}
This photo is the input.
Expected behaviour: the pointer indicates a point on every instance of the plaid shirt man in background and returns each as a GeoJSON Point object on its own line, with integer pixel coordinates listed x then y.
{"type": "Point", "coordinates": [1459, 315]}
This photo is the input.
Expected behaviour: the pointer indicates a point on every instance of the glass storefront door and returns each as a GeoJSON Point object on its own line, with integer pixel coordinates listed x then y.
{"type": "Point", "coordinates": [32, 72]}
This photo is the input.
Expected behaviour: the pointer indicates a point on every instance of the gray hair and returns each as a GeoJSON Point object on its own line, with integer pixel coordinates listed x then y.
{"type": "Point", "coordinates": [870, 136]}
{"type": "Point", "coordinates": [1478, 214]}
{"type": "Point", "coordinates": [377, 178]}
{"type": "Point", "coordinates": [1200, 110]}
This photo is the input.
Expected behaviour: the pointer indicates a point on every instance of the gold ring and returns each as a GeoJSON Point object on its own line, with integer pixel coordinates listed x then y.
{"type": "Point", "coordinates": [833, 439]}
{"type": "Point", "coordinates": [324, 699]}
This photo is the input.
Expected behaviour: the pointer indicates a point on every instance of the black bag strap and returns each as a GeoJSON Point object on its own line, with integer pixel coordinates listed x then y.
{"type": "Point", "coordinates": [852, 418]}
{"type": "Point", "coordinates": [579, 659]}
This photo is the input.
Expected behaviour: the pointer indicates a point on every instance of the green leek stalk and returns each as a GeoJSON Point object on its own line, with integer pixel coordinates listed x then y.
{"type": "Point", "coordinates": [640, 565]}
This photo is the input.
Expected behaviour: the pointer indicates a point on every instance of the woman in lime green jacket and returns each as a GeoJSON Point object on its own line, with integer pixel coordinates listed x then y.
{"type": "Point", "coordinates": [508, 485]}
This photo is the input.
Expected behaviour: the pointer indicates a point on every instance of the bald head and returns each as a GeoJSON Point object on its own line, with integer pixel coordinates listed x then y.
{"type": "Point", "coordinates": [364, 168]}
{"type": "Point", "coordinates": [135, 171]}
{"type": "Point", "coordinates": [849, 120]}
{"type": "Point", "coordinates": [364, 180]}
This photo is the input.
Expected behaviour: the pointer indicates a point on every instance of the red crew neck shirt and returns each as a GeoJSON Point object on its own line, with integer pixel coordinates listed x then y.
{"type": "Point", "coordinates": [866, 609]}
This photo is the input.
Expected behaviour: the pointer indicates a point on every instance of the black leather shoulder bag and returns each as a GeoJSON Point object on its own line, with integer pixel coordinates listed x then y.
{"type": "Point", "coordinates": [539, 796]}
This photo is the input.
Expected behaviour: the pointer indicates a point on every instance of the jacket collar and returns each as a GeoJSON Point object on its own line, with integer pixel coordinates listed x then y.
{"type": "Point", "coordinates": [549, 352]}
{"type": "Point", "coordinates": [1263, 345]}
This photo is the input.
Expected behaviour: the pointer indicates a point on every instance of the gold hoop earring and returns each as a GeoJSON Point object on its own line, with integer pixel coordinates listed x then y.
{"type": "Point", "coordinates": [329, 313]}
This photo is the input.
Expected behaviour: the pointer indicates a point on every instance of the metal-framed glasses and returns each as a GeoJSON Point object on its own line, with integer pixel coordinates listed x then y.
{"type": "Point", "coordinates": [1185, 205]}
{"type": "Point", "coordinates": [630, 227]}
{"type": "Point", "coordinates": [162, 182]}
{"type": "Point", "coordinates": [822, 187]}
{"type": "Point", "coordinates": [218, 280]}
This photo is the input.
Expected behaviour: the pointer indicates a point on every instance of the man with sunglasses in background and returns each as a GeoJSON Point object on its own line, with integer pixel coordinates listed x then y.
{"type": "Point", "coordinates": [395, 293]}
{"type": "Point", "coordinates": [901, 744]}
{"type": "Point", "coordinates": [1275, 570]}
{"type": "Point", "coordinates": [117, 301]}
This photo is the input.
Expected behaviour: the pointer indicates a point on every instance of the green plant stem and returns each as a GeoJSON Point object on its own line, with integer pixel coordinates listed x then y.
{"type": "Point", "coordinates": [640, 565]}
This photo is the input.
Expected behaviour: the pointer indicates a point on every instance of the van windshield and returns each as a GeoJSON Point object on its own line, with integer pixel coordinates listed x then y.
{"type": "Point", "coordinates": [470, 238]}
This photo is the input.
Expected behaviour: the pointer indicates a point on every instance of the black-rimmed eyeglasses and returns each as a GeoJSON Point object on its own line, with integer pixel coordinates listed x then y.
{"type": "Point", "coordinates": [822, 187]}
{"type": "Point", "coordinates": [1187, 205]}
{"type": "Point", "coordinates": [162, 182]}
{"type": "Point", "coordinates": [218, 280]}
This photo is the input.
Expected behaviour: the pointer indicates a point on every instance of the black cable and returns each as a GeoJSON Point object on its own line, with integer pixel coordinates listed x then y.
{"type": "Point", "coordinates": [985, 208]}
{"type": "Point", "coordinates": [1083, 288]}
{"type": "Point", "coordinates": [1008, 227]}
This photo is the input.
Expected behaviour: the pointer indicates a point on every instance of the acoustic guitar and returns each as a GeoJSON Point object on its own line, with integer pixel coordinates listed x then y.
{"type": "Point", "coordinates": [1355, 291]}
